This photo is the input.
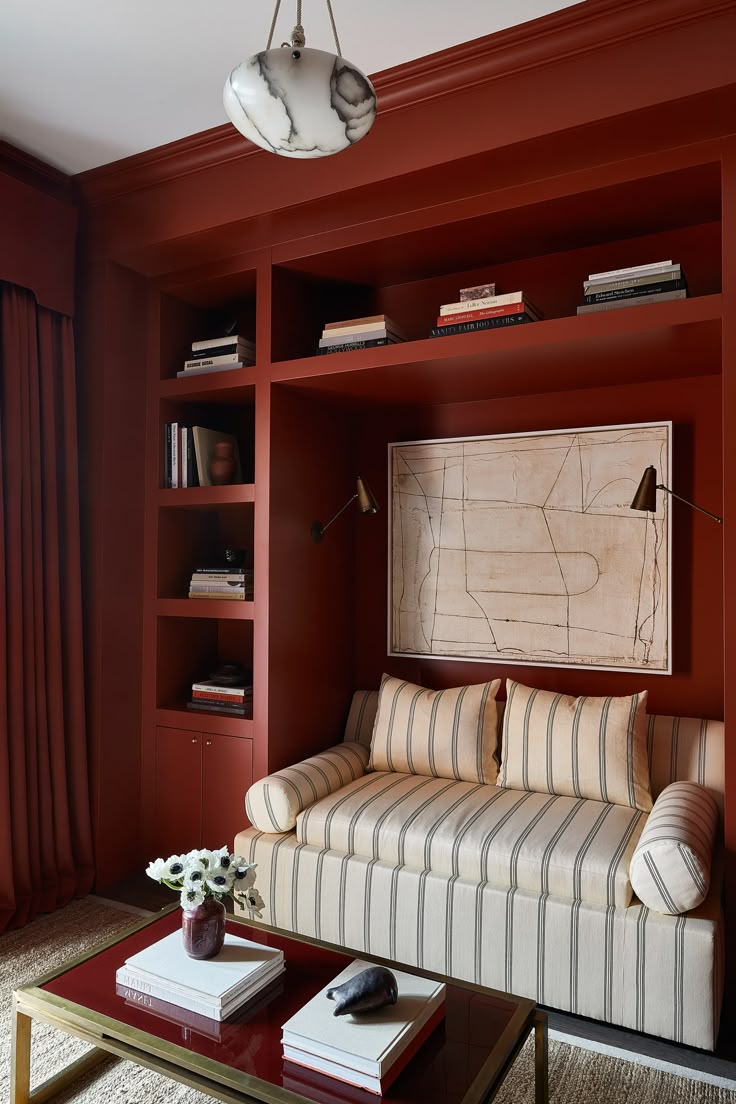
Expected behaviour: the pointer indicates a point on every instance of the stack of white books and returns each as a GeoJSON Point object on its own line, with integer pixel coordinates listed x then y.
{"type": "Point", "coordinates": [367, 1049]}
{"type": "Point", "coordinates": [214, 987]}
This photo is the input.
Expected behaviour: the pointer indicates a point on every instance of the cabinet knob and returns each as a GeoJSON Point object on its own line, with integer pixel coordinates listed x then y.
{"type": "Point", "coordinates": [208, 743]}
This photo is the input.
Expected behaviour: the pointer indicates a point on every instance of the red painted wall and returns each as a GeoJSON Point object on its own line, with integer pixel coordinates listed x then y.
{"type": "Point", "coordinates": [694, 406]}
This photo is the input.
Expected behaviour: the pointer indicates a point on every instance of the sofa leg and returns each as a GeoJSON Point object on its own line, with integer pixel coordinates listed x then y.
{"type": "Point", "coordinates": [541, 1082]}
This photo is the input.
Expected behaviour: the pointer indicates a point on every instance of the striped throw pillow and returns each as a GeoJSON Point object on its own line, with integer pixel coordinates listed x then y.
{"type": "Point", "coordinates": [577, 747]}
{"type": "Point", "coordinates": [444, 733]}
{"type": "Point", "coordinates": [670, 868]}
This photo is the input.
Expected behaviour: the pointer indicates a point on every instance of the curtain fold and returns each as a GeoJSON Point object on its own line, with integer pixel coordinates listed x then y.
{"type": "Point", "coordinates": [45, 819]}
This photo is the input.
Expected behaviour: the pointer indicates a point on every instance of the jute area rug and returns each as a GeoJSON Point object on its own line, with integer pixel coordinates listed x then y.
{"type": "Point", "coordinates": [576, 1076]}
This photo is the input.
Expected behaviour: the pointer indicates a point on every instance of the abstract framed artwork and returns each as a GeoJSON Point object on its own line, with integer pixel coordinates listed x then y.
{"type": "Point", "coordinates": [523, 548]}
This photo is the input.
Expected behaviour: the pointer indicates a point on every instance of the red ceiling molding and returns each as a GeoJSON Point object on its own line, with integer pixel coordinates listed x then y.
{"type": "Point", "coordinates": [38, 229]}
{"type": "Point", "coordinates": [584, 28]}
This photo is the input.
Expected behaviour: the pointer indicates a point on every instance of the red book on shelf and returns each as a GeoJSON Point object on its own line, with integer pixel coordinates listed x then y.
{"type": "Point", "coordinates": [484, 312]}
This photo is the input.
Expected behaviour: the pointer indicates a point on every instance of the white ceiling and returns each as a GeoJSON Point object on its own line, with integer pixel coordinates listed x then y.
{"type": "Point", "coordinates": [84, 82]}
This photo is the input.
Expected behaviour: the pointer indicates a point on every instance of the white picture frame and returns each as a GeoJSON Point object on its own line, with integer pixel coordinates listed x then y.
{"type": "Point", "coordinates": [543, 517]}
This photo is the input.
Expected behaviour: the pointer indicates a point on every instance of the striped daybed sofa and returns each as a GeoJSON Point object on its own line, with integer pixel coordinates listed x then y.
{"type": "Point", "coordinates": [451, 876]}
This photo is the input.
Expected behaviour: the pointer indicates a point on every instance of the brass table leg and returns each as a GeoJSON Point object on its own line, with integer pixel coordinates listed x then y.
{"type": "Point", "coordinates": [20, 1059]}
{"type": "Point", "coordinates": [541, 1080]}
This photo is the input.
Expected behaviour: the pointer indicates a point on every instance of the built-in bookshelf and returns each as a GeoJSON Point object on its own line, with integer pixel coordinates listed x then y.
{"type": "Point", "coordinates": [307, 424]}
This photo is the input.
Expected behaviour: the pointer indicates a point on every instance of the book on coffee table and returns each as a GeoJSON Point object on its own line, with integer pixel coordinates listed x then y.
{"type": "Point", "coordinates": [214, 987]}
{"type": "Point", "coordinates": [368, 1049]}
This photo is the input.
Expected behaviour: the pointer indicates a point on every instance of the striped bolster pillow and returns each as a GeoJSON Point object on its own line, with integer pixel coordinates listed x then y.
{"type": "Point", "coordinates": [444, 733]}
{"type": "Point", "coordinates": [274, 802]}
{"type": "Point", "coordinates": [670, 868]}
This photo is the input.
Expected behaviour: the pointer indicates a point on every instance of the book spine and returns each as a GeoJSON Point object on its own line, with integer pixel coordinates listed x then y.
{"type": "Point", "coordinates": [228, 691]}
{"type": "Point", "coordinates": [160, 992]}
{"type": "Point", "coordinates": [591, 286]}
{"type": "Point", "coordinates": [218, 342]}
{"type": "Point", "coordinates": [184, 464]}
{"type": "Point", "coordinates": [175, 454]}
{"type": "Point", "coordinates": [203, 576]}
{"type": "Point", "coordinates": [234, 597]}
{"type": "Point", "coordinates": [347, 339]}
{"type": "Point", "coordinates": [369, 320]}
{"type": "Point", "coordinates": [212, 695]}
{"type": "Point", "coordinates": [206, 362]}
{"type": "Point", "coordinates": [635, 301]}
{"type": "Point", "coordinates": [477, 315]}
{"type": "Point", "coordinates": [167, 455]}
{"type": "Point", "coordinates": [635, 292]}
{"type": "Point", "coordinates": [479, 304]}
{"type": "Point", "coordinates": [222, 350]}
{"type": "Point", "coordinates": [225, 707]}
{"type": "Point", "coordinates": [634, 270]}
{"type": "Point", "coordinates": [483, 324]}
{"type": "Point", "coordinates": [216, 588]}
{"type": "Point", "coordinates": [222, 572]}
{"type": "Point", "coordinates": [354, 345]}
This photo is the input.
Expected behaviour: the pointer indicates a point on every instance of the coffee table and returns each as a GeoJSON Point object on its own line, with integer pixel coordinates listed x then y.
{"type": "Point", "coordinates": [240, 1061]}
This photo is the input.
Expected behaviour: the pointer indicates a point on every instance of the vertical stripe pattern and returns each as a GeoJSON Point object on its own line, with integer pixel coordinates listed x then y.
{"type": "Point", "coordinates": [442, 733]}
{"type": "Point", "coordinates": [577, 747]}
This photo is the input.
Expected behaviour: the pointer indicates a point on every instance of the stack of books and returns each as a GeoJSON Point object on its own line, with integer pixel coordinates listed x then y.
{"type": "Point", "coordinates": [484, 311]}
{"type": "Point", "coordinates": [215, 988]}
{"type": "Point", "coordinates": [359, 333]}
{"type": "Point", "coordinates": [188, 451]}
{"type": "Point", "coordinates": [222, 583]}
{"type": "Point", "coordinates": [627, 287]}
{"type": "Point", "coordinates": [369, 1049]}
{"type": "Point", "coordinates": [209, 695]}
{"type": "Point", "coordinates": [218, 354]}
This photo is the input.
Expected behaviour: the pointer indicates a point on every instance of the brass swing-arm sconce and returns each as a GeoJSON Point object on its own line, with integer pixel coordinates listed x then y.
{"type": "Point", "coordinates": [646, 495]}
{"type": "Point", "coordinates": [366, 503]}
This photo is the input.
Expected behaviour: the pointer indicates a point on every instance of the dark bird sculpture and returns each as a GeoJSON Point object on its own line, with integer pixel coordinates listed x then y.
{"type": "Point", "coordinates": [370, 989]}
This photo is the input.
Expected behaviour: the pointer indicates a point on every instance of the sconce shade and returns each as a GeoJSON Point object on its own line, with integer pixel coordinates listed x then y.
{"type": "Point", "coordinates": [366, 501]}
{"type": "Point", "coordinates": [646, 493]}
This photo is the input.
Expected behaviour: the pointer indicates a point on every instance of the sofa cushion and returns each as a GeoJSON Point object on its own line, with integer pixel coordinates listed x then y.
{"type": "Point", "coordinates": [670, 868]}
{"type": "Point", "coordinates": [444, 733]}
{"type": "Point", "coordinates": [579, 747]}
{"type": "Point", "coordinates": [566, 847]}
{"type": "Point", "coordinates": [361, 717]}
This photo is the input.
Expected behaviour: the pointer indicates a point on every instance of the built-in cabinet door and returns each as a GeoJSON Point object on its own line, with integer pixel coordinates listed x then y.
{"type": "Point", "coordinates": [178, 789]}
{"type": "Point", "coordinates": [227, 772]}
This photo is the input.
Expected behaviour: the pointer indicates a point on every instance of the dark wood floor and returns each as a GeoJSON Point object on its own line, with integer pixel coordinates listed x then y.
{"type": "Point", "coordinates": [143, 893]}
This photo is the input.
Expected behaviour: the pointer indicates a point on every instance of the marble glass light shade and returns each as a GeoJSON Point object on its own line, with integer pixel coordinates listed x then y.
{"type": "Point", "coordinates": [300, 102]}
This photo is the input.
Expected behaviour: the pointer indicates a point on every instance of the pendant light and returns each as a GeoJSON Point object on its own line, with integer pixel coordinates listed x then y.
{"type": "Point", "coordinates": [300, 102]}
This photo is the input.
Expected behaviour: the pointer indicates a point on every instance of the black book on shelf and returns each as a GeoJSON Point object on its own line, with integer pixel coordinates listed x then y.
{"type": "Point", "coordinates": [497, 323]}
{"type": "Point", "coordinates": [219, 707]}
{"type": "Point", "coordinates": [636, 292]}
{"type": "Point", "coordinates": [350, 346]}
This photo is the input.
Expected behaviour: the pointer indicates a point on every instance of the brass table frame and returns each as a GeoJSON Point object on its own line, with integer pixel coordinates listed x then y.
{"type": "Point", "coordinates": [109, 1036]}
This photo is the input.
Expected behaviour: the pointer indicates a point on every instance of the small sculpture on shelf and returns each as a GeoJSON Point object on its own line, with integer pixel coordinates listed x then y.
{"type": "Point", "coordinates": [370, 989]}
{"type": "Point", "coordinates": [222, 464]}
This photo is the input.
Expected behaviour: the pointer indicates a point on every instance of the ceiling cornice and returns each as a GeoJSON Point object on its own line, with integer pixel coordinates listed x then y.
{"type": "Point", "coordinates": [30, 170]}
{"type": "Point", "coordinates": [585, 28]}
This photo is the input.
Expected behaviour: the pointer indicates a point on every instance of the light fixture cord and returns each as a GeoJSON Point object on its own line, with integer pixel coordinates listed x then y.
{"type": "Point", "coordinates": [334, 28]}
{"type": "Point", "coordinates": [297, 36]}
{"type": "Point", "coordinates": [273, 24]}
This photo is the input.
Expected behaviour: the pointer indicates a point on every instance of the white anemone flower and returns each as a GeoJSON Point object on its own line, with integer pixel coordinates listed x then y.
{"type": "Point", "coordinates": [220, 881]}
{"type": "Point", "coordinates": [173, 869]}
{"type": "Point", "coordinates": [245, 873]}
{"type": "Point", "coordinates": [191, 896]}
{"type": "Point", "coordinates": [251, 900]}
{"type": "Point", "coordinates": [155, 869]}
{"type": "Point", "coordinates": [197, 860]}
{"type": "Point", "coordinates": [194, 877]}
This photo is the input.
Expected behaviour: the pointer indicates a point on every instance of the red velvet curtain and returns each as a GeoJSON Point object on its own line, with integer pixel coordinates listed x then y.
{"type": "Point", "coordinates": [45, 822]}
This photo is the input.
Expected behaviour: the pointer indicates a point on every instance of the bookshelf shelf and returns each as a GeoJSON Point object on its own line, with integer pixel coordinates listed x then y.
{"type": "Point", "coordinates": [178, 716]}
{"type": "Point", "coordinates": [207, 496]}
{"type": "Point", "coordinates": [201, 607]}
{"type": "Point", "coordinates": [237, 385]}
{"type": "Point", "coordinates": [628, 345]}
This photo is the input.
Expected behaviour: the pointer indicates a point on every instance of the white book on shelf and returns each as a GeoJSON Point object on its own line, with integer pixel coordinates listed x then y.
{"type": "Point", "coordinates": [375, 1041]}
{"type": "Point", "coordinates": [240, 962]}
{"type": "Point", "coordinates": [214, 342]}
{"type": "Point", "coordinates": [634, 301]}
{"type": "Point", "coordinates": [633, 270]}
{"type": "Point", "coordinates": [479, 304]}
